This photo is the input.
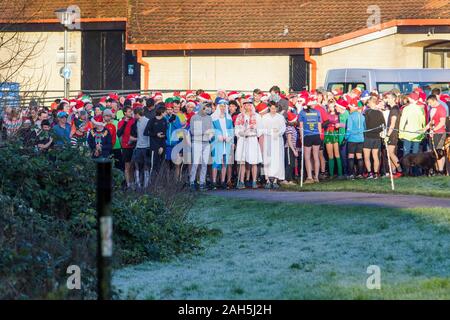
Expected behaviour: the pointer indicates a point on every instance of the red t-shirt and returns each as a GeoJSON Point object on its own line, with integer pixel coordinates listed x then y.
{"type": "Point", "coordinates": [112, 130]}
{"type": "Point", "coordinates": [439, 113]}
{"type": "Point", "coordinates": [125, 138]}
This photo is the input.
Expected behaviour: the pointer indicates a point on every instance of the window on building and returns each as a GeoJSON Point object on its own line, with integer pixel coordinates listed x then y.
{"type": "Point", "coordinates": [437, 55]}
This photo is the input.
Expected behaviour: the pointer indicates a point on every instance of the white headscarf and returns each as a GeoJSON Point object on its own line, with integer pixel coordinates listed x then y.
{"type": "Point", "coordinates": [216, 114]}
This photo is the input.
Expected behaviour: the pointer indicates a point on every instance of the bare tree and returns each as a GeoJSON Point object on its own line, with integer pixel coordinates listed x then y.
{"type": "Point", "coordinates": [19, 50]}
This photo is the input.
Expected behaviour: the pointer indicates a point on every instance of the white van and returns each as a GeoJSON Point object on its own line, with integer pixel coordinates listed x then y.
{"type": "Point", "coordinates": [385, 80]}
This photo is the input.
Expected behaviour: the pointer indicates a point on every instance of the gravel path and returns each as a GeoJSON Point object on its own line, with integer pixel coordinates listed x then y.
{"type": "Point", "coordinates": [338, 198]}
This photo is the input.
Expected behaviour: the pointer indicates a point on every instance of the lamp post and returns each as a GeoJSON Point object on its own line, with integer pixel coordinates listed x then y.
{"type": "Point", "coordinates": [64, 17]}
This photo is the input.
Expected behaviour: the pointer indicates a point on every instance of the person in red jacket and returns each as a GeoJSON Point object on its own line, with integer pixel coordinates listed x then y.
{"type": "Point", "coordinates": [124, 131]}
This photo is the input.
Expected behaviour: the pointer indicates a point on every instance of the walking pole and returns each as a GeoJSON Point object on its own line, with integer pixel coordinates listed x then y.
{"type": "Point", "coordinates": [388, 157]}
{"type": "Point", "coordinates": [303, 158]}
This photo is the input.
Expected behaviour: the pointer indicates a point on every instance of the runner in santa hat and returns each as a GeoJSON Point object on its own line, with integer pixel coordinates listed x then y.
{"type": "Point", "coordinates": [342, 109]}
{"type": "Point", "coordinates": [257, 95]}
{"type": "Point", "coordinates": [331, 141]}
{"type": "Point", "coordinates": [290, 148]}
{"type": "Point", "coordinates": [293, 99]}
{"type": "Point", "coordinates": [314, 103]}
{"type": "Point", "coordinates": [80, 128]}
{"type": "Point", "coordinates": [99, 139]}
{"type": "Point", "coordinates": [354, 136]}
{"type": "Point", "coordinates": [261, 110]}
{"type": "Point", "coordinates": [310, 123]}
{"type": "Point", "coordinates": [190, 107]}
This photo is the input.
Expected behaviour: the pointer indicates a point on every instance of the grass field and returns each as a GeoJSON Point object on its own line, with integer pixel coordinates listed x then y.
{"type": "Point", "coordinates": [293, 251]}
{"type": "Point", "coordinates": [426, 186]}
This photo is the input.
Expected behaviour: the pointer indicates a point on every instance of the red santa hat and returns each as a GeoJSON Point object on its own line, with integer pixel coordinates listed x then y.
{"type": "Point", "coordinates": [137, 105]}
{"type": "Point", "coordinates": [344, 103]}
{"type": "Point", "coordinates": [113, 95]}
{"type": "Point", "coordinates": [103, 100]}
{"type": "Point", "coordinates": [73, 102]}
{"type": "Point", "coordinates": [445, 97]}
{"type": "Point", "coordinates": [98, 121]}
{"type": "Point", "coordinates": [262, 107]}
{"type": "Point", "coordinates": [204, 97]}
{"type": "Point", "coordinates": [422, 96]}
{"type": "Point", "coordinates": [337, 92]}
{"type": "Point", "coordinates": [177, 94]}
{"type": "Point", "coordinates": [66, 101]}
{"type": "Point", "coordinates": [292, 117]}
{"type": "Point", "coordinates": [79, 105]}
{"type": "Point", "coordinates": [233, 95]}
{"type": "Point", "coordinates": [265, 96]}
{"type": "Point", "coordinates": [190, 93]}
{"type": "Point", "coordinates": [157, 96]}
{"type": "Point", "coordinates": [247, 99]}
{"type": "Point", "coordinates": [357, 91]}
{"type": "Point", "coordinates": [414, 96]}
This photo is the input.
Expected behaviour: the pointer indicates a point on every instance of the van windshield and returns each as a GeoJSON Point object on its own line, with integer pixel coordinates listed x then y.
{"type": "Point", "coordinates": [407, 87]}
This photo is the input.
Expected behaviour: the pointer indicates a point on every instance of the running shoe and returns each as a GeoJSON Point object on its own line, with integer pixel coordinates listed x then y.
{"type": "Point", "coordinates": [309, 181]}
{"type": "Point", "coordinates": [370, 176]}
{"type": "Point", "coordinates": [316, 180]}
{"type": "Point", "coordinates": [351, 177]}
{"type": "Point", "coordinates": [276, 186]}
{"type": "Point", "coordinates": [398, 175]}
{"type": "Point", "coordinates": [268, 185]}
{"type": "Point", "coordinates": [254, 185]}
{"type": "Point", "coordinates": [240, 186]}
{"type": "Point", "coordinates": [376, 176]}
{"type": "Point", "coordinates": [202, 187]}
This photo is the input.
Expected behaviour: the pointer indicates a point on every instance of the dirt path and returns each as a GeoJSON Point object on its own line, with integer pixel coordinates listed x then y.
{"type": "Point", "coordinates": [338, 198]}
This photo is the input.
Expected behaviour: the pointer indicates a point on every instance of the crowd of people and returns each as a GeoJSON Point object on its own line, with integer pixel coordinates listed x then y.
{"type": "Point", "coordinates": [235, 140]}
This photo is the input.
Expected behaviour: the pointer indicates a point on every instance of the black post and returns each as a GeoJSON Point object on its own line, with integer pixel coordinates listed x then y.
{"type": "Point", "coordinates": [104, 223]}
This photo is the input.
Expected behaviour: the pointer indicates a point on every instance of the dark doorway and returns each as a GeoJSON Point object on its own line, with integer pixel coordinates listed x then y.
{"type": "Point", "coordinates": [298, 73]}
{"type": "Point", "coordinates": [106, 65]}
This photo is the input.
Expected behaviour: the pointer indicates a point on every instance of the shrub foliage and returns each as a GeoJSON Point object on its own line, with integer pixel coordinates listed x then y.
{"type": "Point", "coordinates": [48, 222]}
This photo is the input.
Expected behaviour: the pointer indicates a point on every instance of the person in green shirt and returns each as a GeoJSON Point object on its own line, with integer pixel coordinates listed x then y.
{"type": "Point", "coordinates": [343, 116]}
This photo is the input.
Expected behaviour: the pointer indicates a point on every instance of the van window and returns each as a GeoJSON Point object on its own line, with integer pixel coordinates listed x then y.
{"type": "Point", "coordinates": [346, 87]}
{"type": "Point", "coordinates": [407, 87]}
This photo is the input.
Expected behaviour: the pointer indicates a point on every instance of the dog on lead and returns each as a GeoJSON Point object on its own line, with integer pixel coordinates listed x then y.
{"type": "Point", "coordinates": [424, 160]}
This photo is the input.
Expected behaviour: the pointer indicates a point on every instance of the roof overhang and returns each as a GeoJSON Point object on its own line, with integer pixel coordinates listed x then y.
{"type": "Point", "coordinates": [380, 30]}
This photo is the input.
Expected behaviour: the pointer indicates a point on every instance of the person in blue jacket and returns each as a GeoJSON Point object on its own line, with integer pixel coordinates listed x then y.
{"type": "Point", "coordinates": [172, 134]}
{"type": "Point", "coordinates": [222, 151]}
{"type": "Point", "coordinates": [62, 130]}
{"type": "Point", "coordinates": [354, 135]}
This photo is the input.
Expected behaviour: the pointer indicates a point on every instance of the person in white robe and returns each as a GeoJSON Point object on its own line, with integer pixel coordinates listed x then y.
{"type": "Point", "coordinates": [273, 126]}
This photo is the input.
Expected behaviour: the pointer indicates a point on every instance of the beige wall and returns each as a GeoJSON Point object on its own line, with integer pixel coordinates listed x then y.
{"type": "Point", "coordinates": [41, 70]}
{"type": "Point", "coordinates": [394, 51]}
{"type": "Point", "coordinates": [218, 72]}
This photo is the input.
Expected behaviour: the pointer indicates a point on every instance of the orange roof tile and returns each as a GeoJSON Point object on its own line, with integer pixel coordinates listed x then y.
{"type": "Point", "coordinates": [236, 21]}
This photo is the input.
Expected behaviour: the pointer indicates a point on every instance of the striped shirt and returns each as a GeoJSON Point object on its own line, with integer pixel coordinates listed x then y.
{"type": "Point", "coordinates": [294, 135]}
{"type": "Point", "coordinates": [12, 126]}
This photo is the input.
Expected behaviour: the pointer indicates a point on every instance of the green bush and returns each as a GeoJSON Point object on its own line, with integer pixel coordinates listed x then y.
{"type": "Point", "coordinates": [48, 222]}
